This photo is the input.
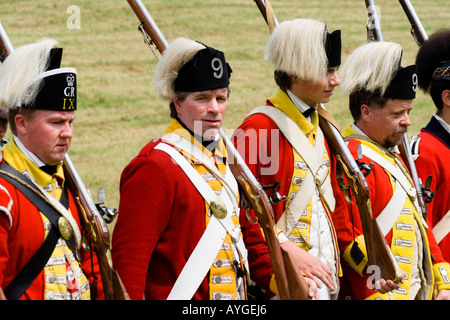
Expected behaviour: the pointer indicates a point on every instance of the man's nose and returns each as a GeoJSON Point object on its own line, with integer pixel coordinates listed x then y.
{"type": "Point", "coordinates": [67, 131]}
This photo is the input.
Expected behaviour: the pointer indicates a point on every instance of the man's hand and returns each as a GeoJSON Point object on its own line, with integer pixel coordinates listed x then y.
{"type": "Point", "coordinates": [384, 286]}
{"type": "Point", "coordinates": [309, 265]}
{"type": "Point", "coordinates": [443, 295]}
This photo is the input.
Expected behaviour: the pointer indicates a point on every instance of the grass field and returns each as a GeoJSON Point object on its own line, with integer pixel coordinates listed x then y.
{"type": "Point", "coordinates": [118, 112]}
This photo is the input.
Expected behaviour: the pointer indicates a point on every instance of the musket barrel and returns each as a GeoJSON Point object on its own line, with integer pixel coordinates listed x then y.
{"type": "Point", "coordinates": [239, 160]}
{"type": "Point", "coordinates": [419, 32]}
{"type": "Point", "coordinates": [6, 46]}
{"type": "Point", "coordinates": [84, 193]}
{"type": "Point", "coordinates": [373, 23]}
{"type": "Point", "coordinates": [143, 15]}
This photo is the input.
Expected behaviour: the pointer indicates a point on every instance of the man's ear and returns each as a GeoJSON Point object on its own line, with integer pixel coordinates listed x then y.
{"type": "Point", "coordinates": [366, 112]}
{"type": "Point", "coordinates": [176, 103]}
{"type": "Point", "coordinates": [20, 122]}
{"type": "Point", "coordinates": [446, 97]}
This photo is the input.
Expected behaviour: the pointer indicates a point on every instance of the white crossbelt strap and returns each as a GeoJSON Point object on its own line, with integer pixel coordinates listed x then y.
{"type": "Point", "coordinates": [228, 182]}
{"type": "Point", "coordinates": [386, 219]}
{"type": "Point", "coordinates": [442, 228]}
{"type": "Point", "coordinates": [317, 173]}
{"type": "Point", "coordinates": [212, 239]}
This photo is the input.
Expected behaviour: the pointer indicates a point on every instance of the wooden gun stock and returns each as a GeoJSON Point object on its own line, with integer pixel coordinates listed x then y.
{"type": "Point", "coordinates": [97, 231]}
{"type": "Point", "coordinates": [290, 283]}
{"type": "Point", "coordinates": [378, 251]}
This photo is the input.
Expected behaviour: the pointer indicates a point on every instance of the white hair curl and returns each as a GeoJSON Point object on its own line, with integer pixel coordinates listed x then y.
{"type": "Point", "coordinates": [297, 47]}
{"type": "Point", "coordinates": [180, 51]}
{"type": "Point", "coordinates": [19, 71]}
{"type": "Point", "coordinates": [371, 66]}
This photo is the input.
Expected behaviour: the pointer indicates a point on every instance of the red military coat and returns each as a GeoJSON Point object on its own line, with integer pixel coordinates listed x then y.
{"type": "Point", "coordinates": [270, 157]}
{"type": "Point", "coordinates": [434, 153]}
{"type": "Point", "coordinates": [349, 229]}
{"type": "Point", "coordinates": [21, 235]}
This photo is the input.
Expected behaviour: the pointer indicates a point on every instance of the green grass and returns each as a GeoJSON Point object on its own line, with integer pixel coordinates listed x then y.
{"type": "Point", "coordinates": [118, 111]}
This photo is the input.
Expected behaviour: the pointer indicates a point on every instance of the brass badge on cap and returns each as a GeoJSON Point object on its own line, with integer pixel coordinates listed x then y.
{"type": "Point", "coordinates": [65, 228]}
{"type": "Point", "coordinates": [218, 207]}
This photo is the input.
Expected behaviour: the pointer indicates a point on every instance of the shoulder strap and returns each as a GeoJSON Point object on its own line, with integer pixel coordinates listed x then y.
{"type": "Point", "coordinates": [312, 155]}
{"type": "Point", "coordinates": [35, 265]}
{"type": "Point", "coordinates": [201, 259]}
{"type": "Point", "coordinates": [442, 228]}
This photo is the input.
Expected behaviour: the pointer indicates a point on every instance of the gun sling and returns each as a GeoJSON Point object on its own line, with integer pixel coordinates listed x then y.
{"type": "Point", "coordinates": [32, 269]}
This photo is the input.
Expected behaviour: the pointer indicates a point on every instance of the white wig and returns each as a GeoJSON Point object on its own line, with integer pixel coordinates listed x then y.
{"type": "Point", "coordinates": [371, 66]}
{"type": "Point", "coordinates": [297, 47]}
{"type": "Point", "coordinates": [20, 70]}
{"type": "Point", "coordinates": [180, 51]}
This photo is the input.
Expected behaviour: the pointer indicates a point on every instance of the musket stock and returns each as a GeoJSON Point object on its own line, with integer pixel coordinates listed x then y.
{"type": "Point", "coordinates": [291, 285]}
{"type": "Point", "coordinates": [378, 251]}
{"type": "Point", "coordinates": [98, 232]}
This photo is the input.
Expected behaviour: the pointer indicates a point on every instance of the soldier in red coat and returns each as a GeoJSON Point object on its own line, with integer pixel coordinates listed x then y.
{"type": "Point", "coordinates": [381, 98]}
{"type": "Point", "coordinates": [285, 149]}
{"type": "Point", "coordinates": [432, 145]}
{"type": "Point", "coordinates": [180, 234]}
{"type": "Point", "coordinates": [41, 256]}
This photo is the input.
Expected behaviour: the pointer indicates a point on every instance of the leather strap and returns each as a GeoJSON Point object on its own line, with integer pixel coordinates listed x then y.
{"type": "Point", "coordinates": [35, 265]}
{"type": "Point", "coordinates": [312, 155]}
{"type": "Point", "coordinates": [442, 228]}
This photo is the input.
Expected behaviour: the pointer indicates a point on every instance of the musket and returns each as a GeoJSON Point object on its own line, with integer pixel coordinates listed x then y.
{"type": "Point", "coordinates": [404, 147]}
{"type": "Point", "coordinates": [5, 44]}
{"type": "Point", "coordinates": [417, 30]}
{"type": "Point", "coordinates": [290, 283]}
{"type": "Point", "coordinates": [425, 195]}
{"type": "Point", "coordinates": [373, 26]}
{"type": "Point", "coordinates": [93, 221]}
{"type": "Point", "coordinates": [378, 251]}
{"type": "Point", "coordinates": [97, 230]}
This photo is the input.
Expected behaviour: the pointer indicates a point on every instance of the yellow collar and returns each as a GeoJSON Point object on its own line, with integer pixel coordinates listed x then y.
{"type": "Point", "coordinates": [281, 101]}
{"type": "Point", "coordinates": [348, 130]}
{"type": "Point", "coordinates": [15, 158]}
{"type": "Point", "coordinates": [177, 128]}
